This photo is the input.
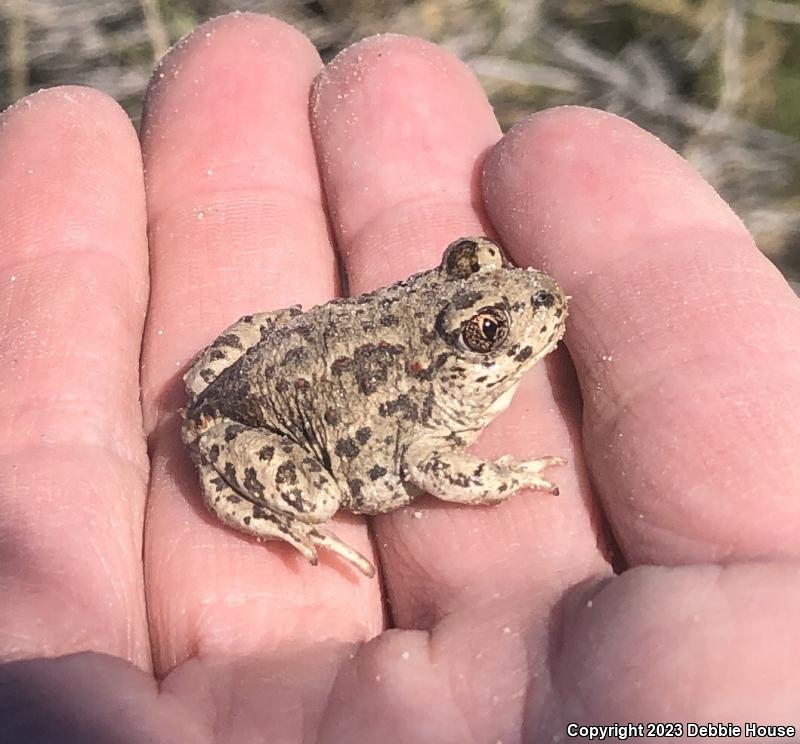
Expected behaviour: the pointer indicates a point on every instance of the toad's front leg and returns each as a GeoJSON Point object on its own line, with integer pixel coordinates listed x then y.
{"type": "Point", "coordinates": [463, 478]}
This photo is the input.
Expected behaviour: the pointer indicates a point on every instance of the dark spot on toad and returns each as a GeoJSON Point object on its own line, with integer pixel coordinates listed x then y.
{"type": "Point", "coordinates": [363, 434]}
{"type": "Point", "coordinates": [213, 453]}
{"type": "Point", "coordinates": [375, 472]}
{"type": "Point", "coordinates": [311, 465]}
{"type": "Point", "coordinates": [467, 299]}
{"type": "Point", "coordinates": [346, 448]}
{"type": "Point", "coordinates": [524, 354]}
{"type": "Point", "coordinates": [342, 364]}
{"type": "Point", "coordinates": [402, 405]}
{"type": "Point", "coordinates": [232, 431]}
{"type": "Point", "coordinates": [355, 485]}
{"type": "Point", "coordinates": [459, 479]}
{"type": "Point", "coordinates": [216, 355]}
{"type": "Point", "coordinates": [331, 417]}
{"type": "Point", "coordinates": [266, 453]}
{"type": "Point", "coordinates": [286, 473]}
{"type": "Point", "coordinates": [389, 321]}
{"type": "Point", "coordinates": [230, 339]}
{"type": "Point", "coordinates": [301, 329]}
{"type": "Point", "coordinates": [542, 298]}
{"type": "Point", "coordinates": [301, 384]}
{"type": "Point", "coordinates": [372, 364]}
{"type": "Point", "coordinates": [252, 484]}
{"type": "Point", "coordinates": [427, 406]}
{"type": "Point", "coordinates": [297, 355]}
{"type": "Point", "coordinates": [294, 498]}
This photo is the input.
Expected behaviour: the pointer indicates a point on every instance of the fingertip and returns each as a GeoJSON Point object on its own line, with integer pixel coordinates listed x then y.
{"type": "Point", "coordinates": [226, 39]}
{"type": "Point", "coordinates": [400, 127]}
{"type": "Point", "coordinates": [63, 122]}
{"type": "Point", "coordinates": [64, 150]}
{"type": "Point", "coordinates": [621, 179]}
{"type": "Point", "coordinates": [71, 101]}
{"type": "Point", "coordinates": [237, 85]}
{"type": "Point", "coordinates": [399, 55]}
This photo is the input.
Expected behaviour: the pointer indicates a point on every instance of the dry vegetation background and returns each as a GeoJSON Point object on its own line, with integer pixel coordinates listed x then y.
{"type": "Point", "coordinates": [719, 80]}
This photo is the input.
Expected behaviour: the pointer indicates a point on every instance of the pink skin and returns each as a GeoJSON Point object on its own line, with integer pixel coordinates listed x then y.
{"type": "Point", "coordinates": [679, 417]}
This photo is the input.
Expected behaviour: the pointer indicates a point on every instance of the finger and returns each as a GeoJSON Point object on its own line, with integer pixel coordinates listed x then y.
{"type": "Point", "coordinates": [684, 337]}
{"type": "Point", "coordinates": [610, 652]}
{"type": "Point", "coordinates": [623, 643]}
{"type": "Point", "coordinates": [401, 127]}
{"type": "Point", "coordinates": [74, 288]}
{"type": "Point", "coordinates": [237, 226]}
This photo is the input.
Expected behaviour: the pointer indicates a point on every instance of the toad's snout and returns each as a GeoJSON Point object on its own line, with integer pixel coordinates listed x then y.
{"type": "Point", "coordinates": [548, 294]}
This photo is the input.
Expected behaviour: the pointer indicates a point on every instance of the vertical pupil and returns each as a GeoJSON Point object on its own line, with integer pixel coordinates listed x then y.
{"type": "Point", "coordinates": [489, 329]}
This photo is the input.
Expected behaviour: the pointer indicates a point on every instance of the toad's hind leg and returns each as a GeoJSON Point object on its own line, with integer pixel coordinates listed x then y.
{"type": "Point", "coordinates": [230, 345]}
{"type": "Point", "coordinates": [254, 519]}
{"type": "Point", "coordinates": [268, 524]}
{"type": "Point", "coordinates": [267, 485]}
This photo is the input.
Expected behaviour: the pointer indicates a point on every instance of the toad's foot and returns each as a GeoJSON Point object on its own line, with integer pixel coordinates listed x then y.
{"type": "Point", "coordinates": [325, 539]}
{"type": "Point", "coordinates": [267, 523]}
{"type": "Point", "coordinates": [529, 470]}
{"type": "Point", "coordinates": [460, 477]}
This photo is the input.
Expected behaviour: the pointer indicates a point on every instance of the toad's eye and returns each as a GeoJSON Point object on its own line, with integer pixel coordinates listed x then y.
{"type": "Point", "coordinates": [485, 330]}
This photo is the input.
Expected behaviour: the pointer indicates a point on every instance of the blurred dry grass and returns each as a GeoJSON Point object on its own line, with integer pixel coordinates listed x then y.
{"type": "Point", "coordinates": [719, 80]}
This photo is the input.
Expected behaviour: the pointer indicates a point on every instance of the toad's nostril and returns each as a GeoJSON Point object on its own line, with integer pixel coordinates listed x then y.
{"type": "Point", "coordinates": [542, 298]}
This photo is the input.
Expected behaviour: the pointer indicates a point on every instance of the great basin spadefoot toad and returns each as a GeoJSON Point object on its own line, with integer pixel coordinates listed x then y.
{"type": "Point", "coordinates": [365, 402]}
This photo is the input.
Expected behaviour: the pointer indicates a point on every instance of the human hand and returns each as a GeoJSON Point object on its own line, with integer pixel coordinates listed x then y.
{"type": "Point", "coordinates": [678, 418]}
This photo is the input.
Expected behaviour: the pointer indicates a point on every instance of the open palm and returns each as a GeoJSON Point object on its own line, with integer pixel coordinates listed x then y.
{"type": "Point", "coordinates": [128, 614]}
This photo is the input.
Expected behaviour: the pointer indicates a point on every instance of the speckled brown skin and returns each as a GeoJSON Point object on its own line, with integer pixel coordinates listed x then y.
{"type": "Point", "coordinates": [365, 402]}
